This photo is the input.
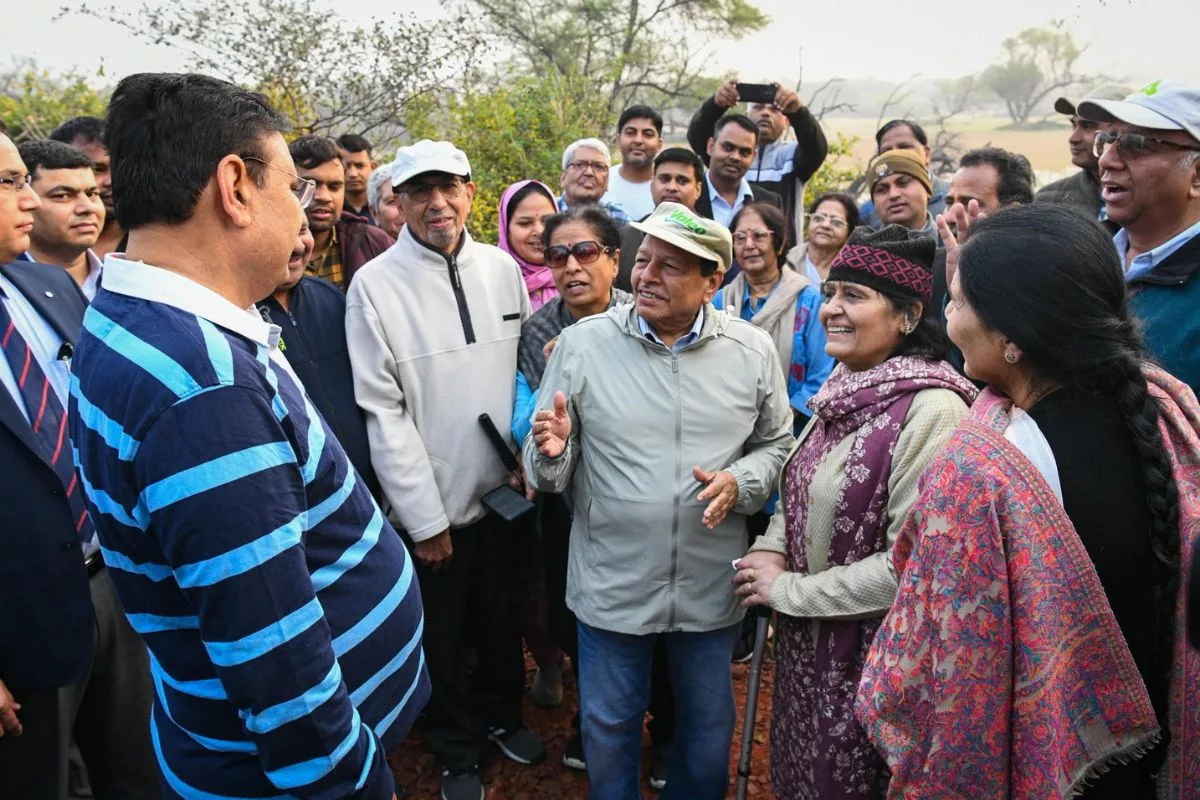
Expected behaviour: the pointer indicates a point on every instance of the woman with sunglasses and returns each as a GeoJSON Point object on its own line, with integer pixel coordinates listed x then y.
{"type": "Point", "coordinates": [831, 217]}
{"type": "Point", "coordinates": [581, 248]}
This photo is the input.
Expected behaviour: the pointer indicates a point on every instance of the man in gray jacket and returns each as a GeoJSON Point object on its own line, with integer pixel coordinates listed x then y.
{"type": "Point", "coordinates": [432, 326]}
{"type": "Point", "coordinates": [660, 497]}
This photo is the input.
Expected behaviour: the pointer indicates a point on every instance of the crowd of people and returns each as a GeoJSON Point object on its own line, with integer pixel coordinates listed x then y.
{"type": "Point", "coordinates": [297, 465]}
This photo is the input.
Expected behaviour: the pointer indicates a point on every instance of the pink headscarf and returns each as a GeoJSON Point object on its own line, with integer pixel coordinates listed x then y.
{"type": "Point", "coordinates": [539, 280]}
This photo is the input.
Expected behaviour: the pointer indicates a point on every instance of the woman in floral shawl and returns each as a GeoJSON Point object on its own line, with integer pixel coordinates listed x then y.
{"type": "Point", "coordinates": [824, 563]}
{"type": "Point", "coordinates": [1035, 648]}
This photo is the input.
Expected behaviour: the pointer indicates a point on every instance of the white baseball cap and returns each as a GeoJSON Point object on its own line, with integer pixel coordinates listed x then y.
{"type": "Point", "coordinates": [428, 156]}
{"type": "Point", "coordinates": [1161, 105]}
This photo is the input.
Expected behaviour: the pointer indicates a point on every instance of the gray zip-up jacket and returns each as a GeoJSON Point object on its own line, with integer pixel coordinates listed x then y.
{"type": "Point", "coordinates": [642, 417]}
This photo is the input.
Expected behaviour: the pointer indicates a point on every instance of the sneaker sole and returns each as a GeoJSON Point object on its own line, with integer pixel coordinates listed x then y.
{"type": "Point", "coordinates": [658, 784]}
{"type": "Point", "coordinates": [574, 763]}
{"type": "Point", "coordinates": [511, 756]}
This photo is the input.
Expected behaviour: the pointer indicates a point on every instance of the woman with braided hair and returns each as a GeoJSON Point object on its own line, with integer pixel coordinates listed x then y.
{"type": "Point", "coordinates": [1035, 645]}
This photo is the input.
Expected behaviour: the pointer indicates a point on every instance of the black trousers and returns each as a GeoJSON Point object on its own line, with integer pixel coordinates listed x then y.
{"type": "Point", "coordinates": [472, 603]}
{"type": "Point", "coordinates": [554, 525]}
{"type": "Point", "coordinates": [108, 713]}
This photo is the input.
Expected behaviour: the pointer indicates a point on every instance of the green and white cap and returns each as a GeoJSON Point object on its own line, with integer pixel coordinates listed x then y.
{"type": "Point", "coordinates": [677, 224]}
{"type": "Point", "coordinates": [1161, 105]}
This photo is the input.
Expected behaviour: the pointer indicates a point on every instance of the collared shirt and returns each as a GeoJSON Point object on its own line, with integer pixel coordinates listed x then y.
{"type": "Point", "coordinates": [44, 342]}
{"type": "Point", "coordinates": [723, 212]}
{"type": "Point", "coordinates": [328, 265]}
{"type": "Point", "coordinates": [617, 214]}
{"type": "Point", "coordinates": [1144, 263]}
{"type": "Point", "coordinates": [91, 283]}
{"type": "Point", "coordinates": [227, 509]}
{"type": "Point", "coordinates": [681, 342]}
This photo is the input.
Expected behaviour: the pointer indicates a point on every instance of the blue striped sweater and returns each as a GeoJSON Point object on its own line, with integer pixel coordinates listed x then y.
{"type": "Point", "coordinates": [280, 609]}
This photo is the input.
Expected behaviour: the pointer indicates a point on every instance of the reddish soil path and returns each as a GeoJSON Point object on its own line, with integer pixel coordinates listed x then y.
{"type": "Point", "coordinates": [416, 771]}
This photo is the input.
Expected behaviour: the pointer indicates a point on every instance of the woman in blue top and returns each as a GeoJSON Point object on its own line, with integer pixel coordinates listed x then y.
{"type": "Point", "coordinates": [779, 300]}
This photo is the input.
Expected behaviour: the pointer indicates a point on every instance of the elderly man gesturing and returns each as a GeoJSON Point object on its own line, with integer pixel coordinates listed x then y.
{"type": "Point", "coordinates": [669, 421]}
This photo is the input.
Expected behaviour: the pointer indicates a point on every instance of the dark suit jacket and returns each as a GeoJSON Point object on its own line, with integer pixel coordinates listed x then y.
{"type": "Point", "coordinates": [761, 195]}
{"type": "Point", "coordinates": [46, 620]}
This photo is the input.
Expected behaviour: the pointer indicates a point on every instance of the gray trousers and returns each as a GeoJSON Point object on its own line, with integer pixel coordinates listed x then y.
{"type": "Point", "coordinates": [107, 713]}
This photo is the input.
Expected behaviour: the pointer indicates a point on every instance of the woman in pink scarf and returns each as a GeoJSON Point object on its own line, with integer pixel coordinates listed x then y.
{"type": "Point", "coordinates": [1035, 648]}
{"type": "Point", "coordinates": [824, 562]}
{"type": "Point", "coordinates": [524, 207]}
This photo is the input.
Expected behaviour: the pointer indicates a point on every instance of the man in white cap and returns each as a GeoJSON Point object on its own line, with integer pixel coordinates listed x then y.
{"type": "Point", "coordinates": [1083, 188]}
{"type": "Point", "coordinates": [432, 326]}
{"type": "Point", "coordinates": [669, 422]}
{"type": "Point", "coordinates": [1150, 183]}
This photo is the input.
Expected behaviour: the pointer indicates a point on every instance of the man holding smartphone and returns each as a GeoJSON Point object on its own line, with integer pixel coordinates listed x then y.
{"type": "Point", "coordinates": [779, 166]}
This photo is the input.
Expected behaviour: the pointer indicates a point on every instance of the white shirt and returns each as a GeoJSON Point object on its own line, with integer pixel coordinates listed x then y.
{"type": "Point", "coordinates": [91, 284]}
{"type": "Point", "coordinates": [632, 198]}
{"type": "Point", "coordinates": [44, 342]}
{"type": "Point", "coordinates": [723, 212]}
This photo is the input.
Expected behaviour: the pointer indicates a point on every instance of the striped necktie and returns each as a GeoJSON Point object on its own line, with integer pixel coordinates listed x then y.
{"type": "Point", "coordinates": [47, 417]}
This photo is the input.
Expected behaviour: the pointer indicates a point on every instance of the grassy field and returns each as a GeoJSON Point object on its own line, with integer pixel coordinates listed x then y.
{"type": "Point", "coordinates": [1045, 149]}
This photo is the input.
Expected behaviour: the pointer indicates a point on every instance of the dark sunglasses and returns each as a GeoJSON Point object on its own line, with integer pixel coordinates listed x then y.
{"type": "Point", "coordinates": [584, 252]}
{"type": "Point", "coordinates": [1133, 145]}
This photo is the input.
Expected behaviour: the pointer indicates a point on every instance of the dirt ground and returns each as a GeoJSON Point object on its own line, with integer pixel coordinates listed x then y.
{"type": "Point", "coordinates": [417, 772]}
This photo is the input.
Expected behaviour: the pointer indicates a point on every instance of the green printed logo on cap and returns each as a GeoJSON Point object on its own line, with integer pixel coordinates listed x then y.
{"type": "Point", "coordinates": [1150, 89]}
{"type": "Point", "coordinates": [682, 219]}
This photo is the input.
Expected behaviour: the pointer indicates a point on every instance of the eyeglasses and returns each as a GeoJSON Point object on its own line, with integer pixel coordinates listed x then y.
{"type": "Point", "coordinates": [1133, 145]}
{"type": "Point", "coordinates": [304, 189]}
{"type": "Point", "coordinates": [759, 236]}
{"type": "Point", "coordinates": [422, 192]}
{"type": "Point", "coordinates": [822, 219]}
{"type": "Point", "coordinates": [598, 167]}
{"type": "Point", "coordinates": [18, 182]}
{"type": "Point", "coordinates": [584, 252]}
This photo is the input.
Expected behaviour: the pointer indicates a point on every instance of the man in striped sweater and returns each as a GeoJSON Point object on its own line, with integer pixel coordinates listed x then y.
{"type": "Point", "coordinates": [280, 609]}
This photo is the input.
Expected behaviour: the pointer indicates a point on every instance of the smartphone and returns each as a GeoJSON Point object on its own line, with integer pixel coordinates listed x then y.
{"type": "Point", "coordinates": [506, 503]}
{"type": "Point", "coordinates": [756, 92]}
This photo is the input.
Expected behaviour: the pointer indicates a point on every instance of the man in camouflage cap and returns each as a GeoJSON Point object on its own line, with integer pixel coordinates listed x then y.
{"type": "Point", "coordinates": [669, 422]}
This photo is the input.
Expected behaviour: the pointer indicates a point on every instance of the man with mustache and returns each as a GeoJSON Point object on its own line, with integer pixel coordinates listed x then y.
{"type": "Point", "coordinates": [779, 166]}
{"type": "Point", "coordinates": [1150, 183]}
{"type": "Point", "coordinates": [433, 326]}
{"type": "Point", "coordinates": [343, 241]}
{"type": "Point", "coordinates": [311, 315]}
{"type": "Point", "coordinates": [678, 178]}
{"type": "Point", "coordinates": [1083, 188]}
{"type": "Point", "coordinates": [900, 189]}
{"type": "Point", "coordinates": [584, 178]}
{"type": "Point", "coordinates": [68, 223]}
{"type": "Point", "coordinates": [639, 138]}
{"type": "Point", "coordinates": [355, 152]}
{"type": "Point", "coordinates": [731, 151]}
{"type": "Point", "coordinates": [87, 133]}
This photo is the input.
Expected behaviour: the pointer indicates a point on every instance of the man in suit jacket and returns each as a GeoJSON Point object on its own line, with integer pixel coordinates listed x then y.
{"type": "Point", "coordinates": [69, 662]}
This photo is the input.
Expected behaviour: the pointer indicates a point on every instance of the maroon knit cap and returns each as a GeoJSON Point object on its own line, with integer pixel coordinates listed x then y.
{"type": "Point", "coordinates": [894, 260]}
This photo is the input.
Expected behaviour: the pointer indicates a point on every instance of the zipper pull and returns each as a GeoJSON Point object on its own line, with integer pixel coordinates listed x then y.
{"type": "Point", "coordinates": [674, 363]}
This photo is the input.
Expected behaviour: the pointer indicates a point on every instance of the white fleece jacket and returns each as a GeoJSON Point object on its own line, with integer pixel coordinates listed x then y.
{"type": "Point", "coordinates": [433, 344]}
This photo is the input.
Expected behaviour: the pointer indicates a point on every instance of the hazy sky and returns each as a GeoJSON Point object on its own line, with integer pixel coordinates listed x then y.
{"type": "Point", "coordinates": [1130, 39]}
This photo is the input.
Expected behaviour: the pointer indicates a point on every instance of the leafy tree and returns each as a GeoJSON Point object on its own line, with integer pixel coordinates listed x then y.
{"type": "Point", "coordinates": [838, 171]}
{"type": "Point", "coordinates": [513, 132]}
{"type": "Point", "coordinates": [1036, 62]}
{"type": "Point", "coordinates": [328, 75]}
{"type": "Point", "coordinates": [33, 101]}
{"type": "Point", "coordinates": [630, 48]}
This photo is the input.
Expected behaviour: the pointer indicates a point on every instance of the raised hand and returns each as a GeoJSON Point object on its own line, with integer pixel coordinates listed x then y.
{"type": "Point", "coordinates": [727, 96]}
{"type": "Point", "coordinates": [552, 428]}
{"type": "Point", "coordinates": [954, 226]}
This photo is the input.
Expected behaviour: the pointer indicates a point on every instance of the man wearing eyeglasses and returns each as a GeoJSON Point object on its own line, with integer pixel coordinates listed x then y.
{"type": "Point", "coordinates": [280, 610]}
{"type": "Point", "coordinates": [1149, 162]}
{"type": "Point", "coordinates": [1083, 188]}
{"type": "Point", "coordinates": [70, 664]}
{"type": "Point", "coordinates": [343, 240]}
{"type": "Point", "coordinates": [433, 326]}
{"type": "Point", "coordinates": [585, 178]}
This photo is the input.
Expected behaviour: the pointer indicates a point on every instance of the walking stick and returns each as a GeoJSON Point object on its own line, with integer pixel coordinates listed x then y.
{"type": "Point", "coordinates": [760, 647]}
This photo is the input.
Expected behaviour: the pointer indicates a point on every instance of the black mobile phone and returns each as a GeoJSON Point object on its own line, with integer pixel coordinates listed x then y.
{"type": "Point", "coordinates": [756, 92]}
{"type": "Point", "coordinates": [506, 503]}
